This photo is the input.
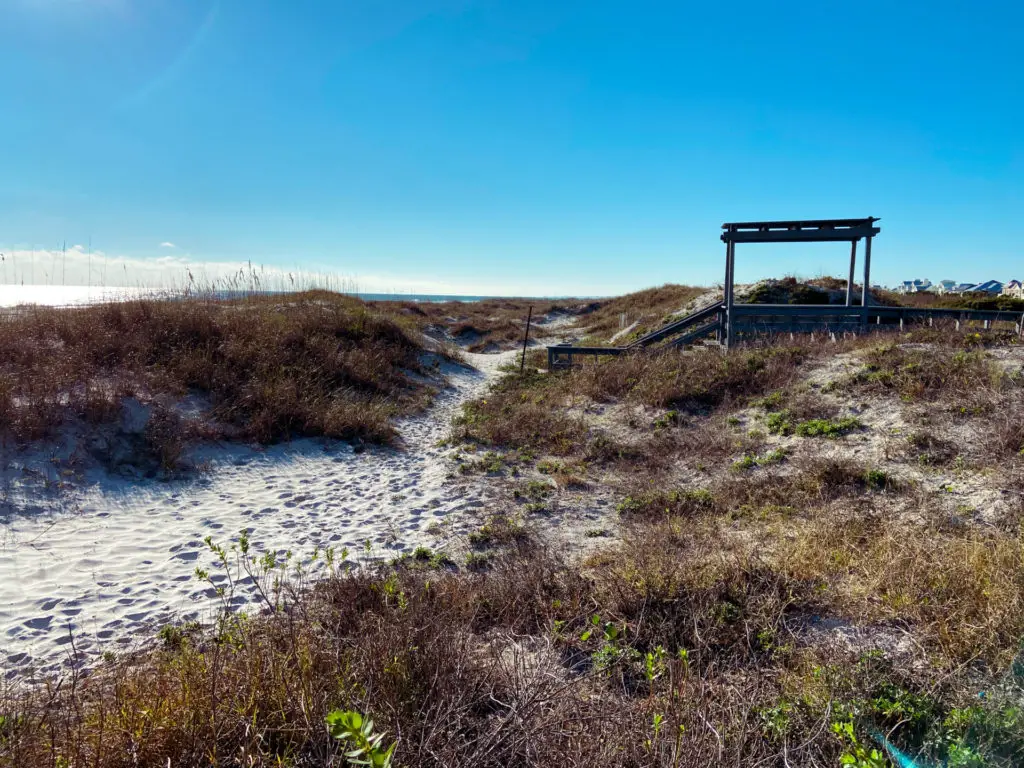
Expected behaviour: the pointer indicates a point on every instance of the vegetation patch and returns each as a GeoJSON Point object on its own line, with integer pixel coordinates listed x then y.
{"type": "Point", "coordinates": [929, 449]}
{"type": "Point", "coordinates": [749, 461]}
{"type": "Point", "coordinates": [677, 625]}
{"type": "Point", "coordinates": [536, 411]}
{"type": "Point", "coordinates": [423, 557]}
{"type": "Point", "coordinates": [677, 502]}
{"type": "Point", "coordinates": [794, 615]}
{"type": "Point", "coordinates": [481, 326]}
{"type": "Point", "coordinates": [648, 309]}
{"type": "Point", "coordinates": [963, 378]}
{"type": "Point", "coordinates": [828, 427]}
{"type": "Point", "coordinates": [787, 291]}
{"type": "Point", "coordinates": [271, 367]}
{"type": "Point", "coordinates": [499, 530]}
{"type": "Point", "coordinates": [781, 423]}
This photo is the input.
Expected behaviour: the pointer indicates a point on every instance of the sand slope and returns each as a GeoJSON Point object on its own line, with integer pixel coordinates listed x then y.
{"type": "Point", "coordinates": [120, 563]}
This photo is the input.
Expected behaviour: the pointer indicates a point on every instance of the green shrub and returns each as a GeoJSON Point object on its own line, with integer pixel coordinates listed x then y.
{"type": "Point", "coordinates": [828, 427]}
{"type": "Point", "coordinates": [778, 423]}
{"type": "Point", "coordinates": [749, 461]}
{"type": "Point", "coordinates": [877, 479]}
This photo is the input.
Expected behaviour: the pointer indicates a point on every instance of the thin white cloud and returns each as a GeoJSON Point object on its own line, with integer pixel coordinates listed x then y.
{"type": "Point", "coordinates": [167, 245]}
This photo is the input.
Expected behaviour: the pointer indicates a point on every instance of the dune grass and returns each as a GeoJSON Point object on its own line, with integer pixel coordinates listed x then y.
{"type": "Point", "coordinates": [270, 367]}
{"type": "Point", "coordinates": [536, 411]}
{"type": "Point", "coordinates": [647, 309]}
{"type": "Point", "coordinates": [483, 326]}
{"type": "Point", "coordinates": [795, 610]}
{"type": "Point", "coordinates": [683, 644]}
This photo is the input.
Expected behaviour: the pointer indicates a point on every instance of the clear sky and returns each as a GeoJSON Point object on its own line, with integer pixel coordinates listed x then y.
{"type": "Point", "coordinates": [526, 146]}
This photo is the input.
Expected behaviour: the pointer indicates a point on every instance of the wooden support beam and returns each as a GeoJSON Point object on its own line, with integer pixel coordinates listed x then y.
{"type": "Point", "coordinates": [849, 281]}
{"type": "Point", "coordinates": [730, 260]}
{"type": "Point", "coordinates": [800, 235]}
{"type": "Point", "coordinates": [866, 291]}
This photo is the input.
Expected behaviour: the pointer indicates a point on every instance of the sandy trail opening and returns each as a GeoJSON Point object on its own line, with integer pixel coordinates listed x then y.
{"type": "Point", "coordinates": [122, 561]}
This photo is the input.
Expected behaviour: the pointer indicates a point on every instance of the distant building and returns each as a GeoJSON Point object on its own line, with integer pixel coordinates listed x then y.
{"type": "Point", "coordinates": [964, 288]}
{"type": "Point", "coordinates": [914, 286]}
{"type": "Point", "coordinates": [945, 286]}
{"type": "Point", "coordinates": [1014, 289]}
{"type": "Point", "coordinates": [993, 287]}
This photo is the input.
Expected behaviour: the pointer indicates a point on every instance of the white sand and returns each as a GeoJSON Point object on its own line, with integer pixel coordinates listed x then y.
{"type": "Point", "coordinates": [120, 562]}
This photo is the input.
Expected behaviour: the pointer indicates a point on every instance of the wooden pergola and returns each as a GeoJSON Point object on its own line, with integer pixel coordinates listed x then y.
{"type": "Point", "coordinates": [814, 231]}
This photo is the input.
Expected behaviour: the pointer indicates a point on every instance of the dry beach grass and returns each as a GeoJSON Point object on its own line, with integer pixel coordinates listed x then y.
{"type": "Point", "coordinates": [484, 326]}
{"type": "Point", "coordinates": [814, 556]}
{"type": "Point", "coordinates": [270, 367]}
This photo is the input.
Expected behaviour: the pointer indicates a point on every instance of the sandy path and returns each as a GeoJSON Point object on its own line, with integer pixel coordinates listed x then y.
{"type": "Point", "coordinates": [122, 562]}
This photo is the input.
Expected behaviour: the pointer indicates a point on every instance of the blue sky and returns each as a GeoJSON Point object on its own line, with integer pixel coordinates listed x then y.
{"type": "Point", "coordinates": [511, 147]}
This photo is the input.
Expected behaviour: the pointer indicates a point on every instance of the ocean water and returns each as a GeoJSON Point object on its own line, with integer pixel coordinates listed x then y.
{"type": "Point", "coordinates": [78, 295]}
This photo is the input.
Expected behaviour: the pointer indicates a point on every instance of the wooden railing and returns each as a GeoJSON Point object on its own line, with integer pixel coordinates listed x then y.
{"type": "Point", "coordinates": [759, 319]}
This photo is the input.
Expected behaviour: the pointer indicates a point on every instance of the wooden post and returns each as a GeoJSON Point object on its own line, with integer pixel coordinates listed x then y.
{"type": "Point", "coordinates": [723, 335]}
{"type": "Point", "coordinates": [866, 292]}
{"type": "Point", "coordinates": [730, 273]}
{"type": "Point", "coordinates": [849, 282]}
{"type": "Point", "coordinates": [728, 290]}
{"type": "Point", "coordinates": [526, 338]}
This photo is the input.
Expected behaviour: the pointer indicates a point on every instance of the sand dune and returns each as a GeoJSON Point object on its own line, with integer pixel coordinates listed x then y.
{"type": "Point", "coordinates": [106, 573]}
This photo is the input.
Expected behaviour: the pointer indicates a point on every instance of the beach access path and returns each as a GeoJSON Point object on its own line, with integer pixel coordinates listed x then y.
{"type": "Point", "coordinates": [106, 571]}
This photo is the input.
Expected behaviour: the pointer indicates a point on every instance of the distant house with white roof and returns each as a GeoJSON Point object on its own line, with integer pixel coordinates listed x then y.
{"type": "Point", "coordinates": [945, 286]}
{"type": "Point", "coordinates": [913, 286]}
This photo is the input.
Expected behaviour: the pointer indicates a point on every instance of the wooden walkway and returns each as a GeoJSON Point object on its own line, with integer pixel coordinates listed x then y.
{"type": "Point", "coordinates": [751, 320]}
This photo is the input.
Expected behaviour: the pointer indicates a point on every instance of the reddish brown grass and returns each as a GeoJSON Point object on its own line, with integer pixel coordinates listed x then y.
{"type": "Point", "coordinates": [272, 368]}
{"type": "Point", "coordinates": [649, 308]}
{"type": "Point", "coordinates": [483, 326]}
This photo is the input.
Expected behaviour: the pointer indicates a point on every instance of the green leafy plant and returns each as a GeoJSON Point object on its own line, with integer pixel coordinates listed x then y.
{"type": "Point", "coordinates": [667, 420]}
{"type": "Point", "coordinates": [367, 746]}
{"type": "Point", "coordinates": [778, 423]}
{"type": "Point", "coordinates": [877, 479]}
{"type": "Point", "coordinates": [654, 664]}
{"type": "Point", "coordinates": [613, 650]}
{"type": "Point", "coordinates": [856, 754]}
{"type": "Point", "coordinates": [749, 461]}
{"type": "Point", "coordinates": [769, 402]}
